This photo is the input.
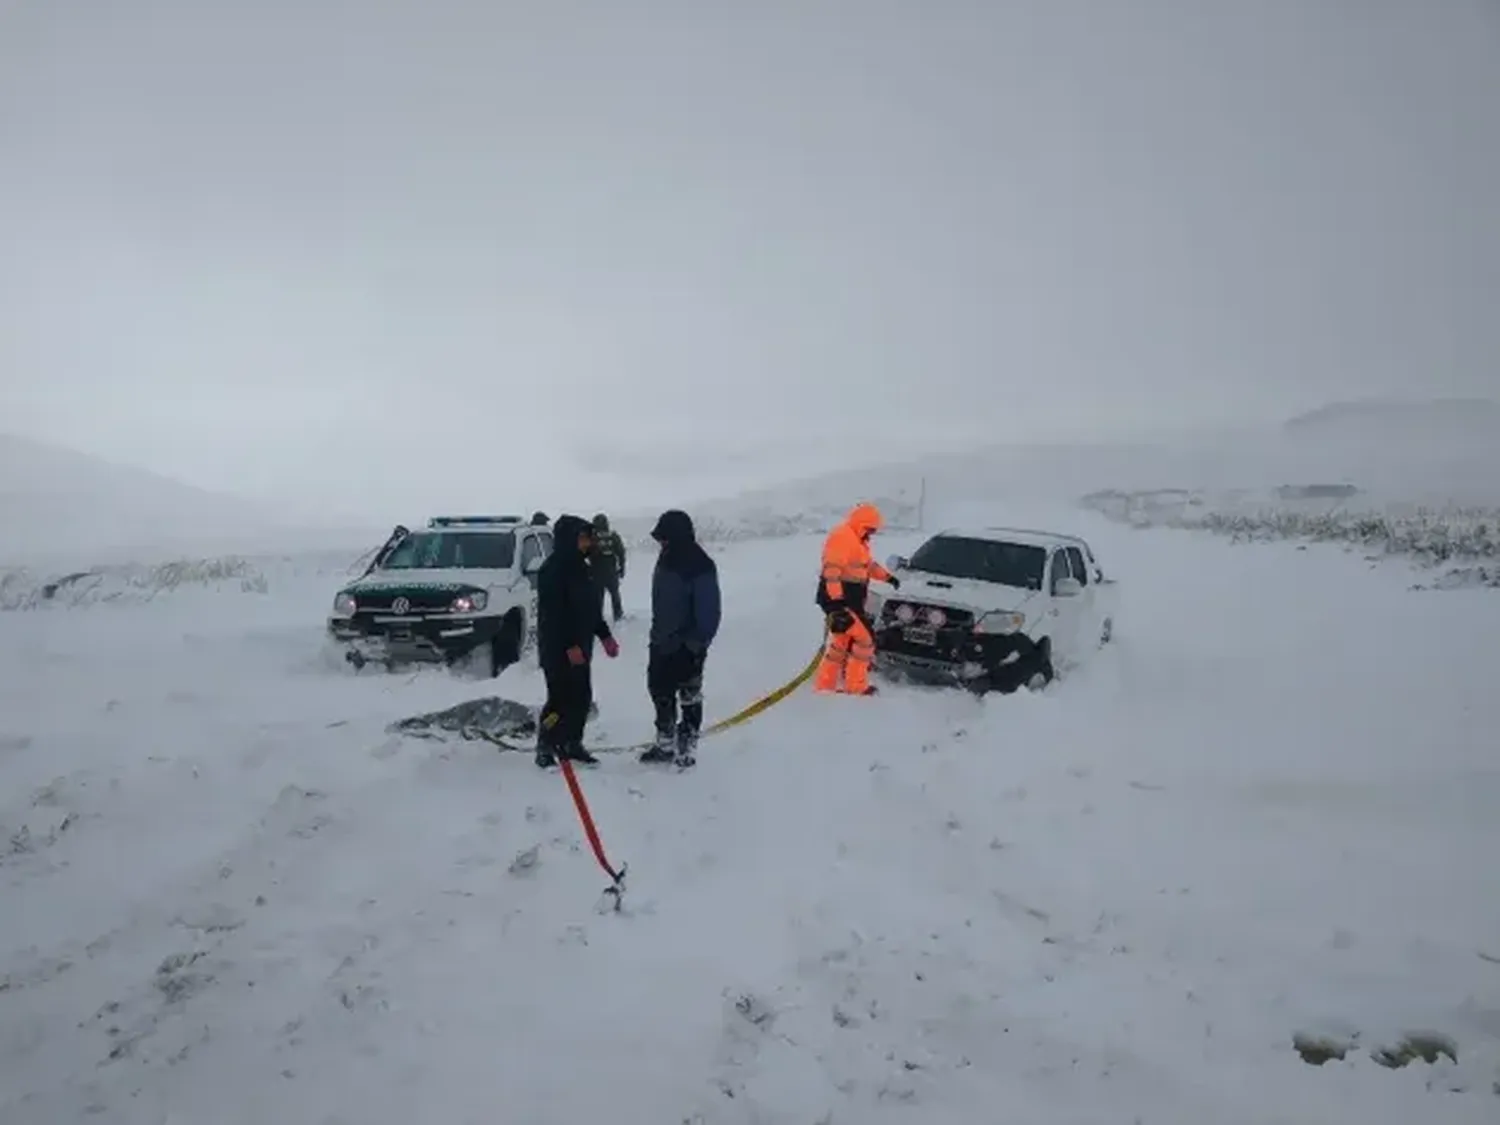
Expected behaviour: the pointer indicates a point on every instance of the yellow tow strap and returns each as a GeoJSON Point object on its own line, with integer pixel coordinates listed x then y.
{"type": "Point", "coordinates": [764, 703]}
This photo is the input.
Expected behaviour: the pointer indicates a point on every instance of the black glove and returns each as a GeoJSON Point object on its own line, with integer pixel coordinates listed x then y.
{"type": "Point", "coordinates": [840, 621]}
{"type": "Point", "coordinates": [895, 583]}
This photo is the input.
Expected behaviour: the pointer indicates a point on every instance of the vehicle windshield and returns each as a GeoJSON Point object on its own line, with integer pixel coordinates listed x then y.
{"type": "Point", "coordinates": [1008, 564]}
{"type": "Point", "coordinates": [429, 550]}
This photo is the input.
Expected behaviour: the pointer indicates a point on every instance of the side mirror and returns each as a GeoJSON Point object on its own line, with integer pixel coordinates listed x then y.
{"type": "Point", "coordinates": [532, 565]}
{"type": "Point", "coordinates": [1067, 588]}
{"type": "Point", "coordinates": [897, 562]}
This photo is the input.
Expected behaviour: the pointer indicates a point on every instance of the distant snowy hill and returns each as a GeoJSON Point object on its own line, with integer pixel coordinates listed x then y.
{"type": "Point", "coordinates": [1445, 422]}
{"type": "Point", "coordinates": [1438, 453]}
{"type": "Point", "coordinates": [1426, 451]}
{"type": "Point", "coordinates": [56, 503]}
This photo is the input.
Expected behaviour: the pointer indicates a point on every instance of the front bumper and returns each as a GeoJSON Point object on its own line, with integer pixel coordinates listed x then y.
{"type": "Point", "coordinates": [376, 636]}
{"type": "Point", "coordinates": [983, 661]}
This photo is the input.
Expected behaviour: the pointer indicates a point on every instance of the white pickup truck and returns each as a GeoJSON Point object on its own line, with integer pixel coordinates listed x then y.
{"type": "Point", "coordinates": [994, 608]}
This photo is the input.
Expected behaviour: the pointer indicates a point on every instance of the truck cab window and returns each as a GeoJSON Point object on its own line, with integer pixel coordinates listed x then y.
{"type": "Point", "coordinates": [1059, 570]}
{"type": "Point", "coordinates": [531, 549]}
{"type": "Point", "coordinates": [1075, 560]}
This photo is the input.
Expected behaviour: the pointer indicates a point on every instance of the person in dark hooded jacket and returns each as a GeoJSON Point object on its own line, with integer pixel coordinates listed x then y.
{"type": "Point", "coordinates": [685, 612]}
{"type": "Point", "coordinates": [567, 622]}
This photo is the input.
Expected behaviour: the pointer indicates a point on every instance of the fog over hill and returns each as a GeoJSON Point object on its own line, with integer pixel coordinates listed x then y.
{"type": "Point", "coordinates": [1426, 452]}
{"type": "Point", "coordinates": [59, 504]}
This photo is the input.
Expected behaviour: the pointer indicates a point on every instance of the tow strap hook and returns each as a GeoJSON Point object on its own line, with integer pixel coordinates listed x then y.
{"type": "Point", "coordinates": [614, 894]}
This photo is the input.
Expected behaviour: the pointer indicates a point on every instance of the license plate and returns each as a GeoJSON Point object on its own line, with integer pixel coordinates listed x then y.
{"type": "Point", "coordinates": [400, 634]}
{"type": "Point", "coordinates": [919, 635]}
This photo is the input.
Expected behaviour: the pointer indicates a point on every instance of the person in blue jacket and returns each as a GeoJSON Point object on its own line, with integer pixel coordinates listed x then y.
{"type": "Point", "coordinates": [685, 610]}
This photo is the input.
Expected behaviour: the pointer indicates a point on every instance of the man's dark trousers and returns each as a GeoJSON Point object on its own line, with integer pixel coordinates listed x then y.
{"type": "Point", "coordinates": [570, 692]}
{"type": "Point", "coordinates": [674, 680]}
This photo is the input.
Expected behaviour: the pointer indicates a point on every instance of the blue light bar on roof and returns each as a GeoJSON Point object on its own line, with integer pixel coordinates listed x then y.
{"type": "Point", "coordinates": [472, 521]}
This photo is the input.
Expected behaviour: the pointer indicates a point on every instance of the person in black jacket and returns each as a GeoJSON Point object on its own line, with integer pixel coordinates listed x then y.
{"type": "Point", "coordinates": [607, 562]}
{"type": "Point", "coordinates": [685, 612]}
{"type": "Point", "coordinates": [567, 622]}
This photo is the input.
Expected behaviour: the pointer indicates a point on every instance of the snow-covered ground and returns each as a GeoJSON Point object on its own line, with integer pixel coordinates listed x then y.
{"type": "Point", "coordinates": [230, 896]}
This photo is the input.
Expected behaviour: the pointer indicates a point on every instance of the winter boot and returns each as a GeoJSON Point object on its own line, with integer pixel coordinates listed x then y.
{"type": "Point", "coordinates": [545, 759]}
{"type": "Point", "coordinates": [687, 749]}
{"type": "Point", "coordinates": [661, 751]}
{"type": "Point", "coordinates": [576, 753]}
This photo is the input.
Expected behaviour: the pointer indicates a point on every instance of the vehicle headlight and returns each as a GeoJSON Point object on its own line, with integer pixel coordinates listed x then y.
{"type": "Point", "coordinates": [1002, 622]}
{"type": "Point", "coordinates": [344, 605]}
{"type": "Point", "coordinates": [470, 603]}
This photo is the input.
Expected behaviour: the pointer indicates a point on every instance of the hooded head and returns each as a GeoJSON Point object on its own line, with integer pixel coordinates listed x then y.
{"type": "Point", "coordinates": [539, 519]}
{"type": "Point", "coordinates": [865, 520]}
{"type": "Point", "coordinates": [572, 533]}
{"type": "Point", "coordinates": [680, 551]}
{"type": "Point", "coordinates": [601, 522]}
{"type": "Point", "coordinates": [674, 529]}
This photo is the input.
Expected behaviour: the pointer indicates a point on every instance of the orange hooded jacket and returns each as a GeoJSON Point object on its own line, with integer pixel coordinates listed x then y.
{"type": "Point", "coordinates": [848, 566]}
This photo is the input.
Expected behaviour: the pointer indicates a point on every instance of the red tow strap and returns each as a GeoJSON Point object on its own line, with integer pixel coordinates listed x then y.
{"type": "Point", "coordinates": [617, 878]}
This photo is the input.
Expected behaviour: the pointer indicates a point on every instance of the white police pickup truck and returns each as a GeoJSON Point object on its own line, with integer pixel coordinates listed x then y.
{"type": "Point", "coordinates": [463, 588]}
{"type": "Point", "coordinates": [993, 608]}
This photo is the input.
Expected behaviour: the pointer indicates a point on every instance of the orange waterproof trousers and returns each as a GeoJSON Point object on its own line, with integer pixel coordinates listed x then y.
{"type": "Point", "coordinates": [847, 658]}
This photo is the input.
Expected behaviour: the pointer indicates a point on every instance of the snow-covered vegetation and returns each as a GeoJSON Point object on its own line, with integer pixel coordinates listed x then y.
{"type": "Point", "coordinates": [27, 588]}
{"type": "Point", "coordinates": [1458, 536]}
{"type": "Point", "coordinates": [21, 589]}
{"type": "Point", "coordinates": [760, 516]}
{"type": "Point", "coordinates": [39, 587]}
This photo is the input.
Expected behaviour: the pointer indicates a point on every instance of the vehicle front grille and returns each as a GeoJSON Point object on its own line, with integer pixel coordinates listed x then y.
{"type": "Point", "coordinates": [421, 601]}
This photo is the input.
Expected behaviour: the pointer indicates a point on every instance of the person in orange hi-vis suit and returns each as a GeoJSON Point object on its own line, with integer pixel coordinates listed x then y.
{"type": "Point", "coordinates": [848, 568]}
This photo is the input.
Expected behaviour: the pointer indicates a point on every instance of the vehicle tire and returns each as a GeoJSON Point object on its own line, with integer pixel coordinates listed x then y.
{"type": "Point", "coordinates": [1042, 671]}
{"type": "Point", "coordinates": [505, 649]}
{"type": "Point", "coordinates": [1107, 631]}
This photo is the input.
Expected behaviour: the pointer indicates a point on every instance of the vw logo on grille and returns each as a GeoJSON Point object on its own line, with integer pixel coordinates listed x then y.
{"type": "Point", "coordinates": [400, 606]}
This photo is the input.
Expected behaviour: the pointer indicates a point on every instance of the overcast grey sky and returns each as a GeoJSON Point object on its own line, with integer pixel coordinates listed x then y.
{"type": "Point", "coordinates": [462, 250]}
